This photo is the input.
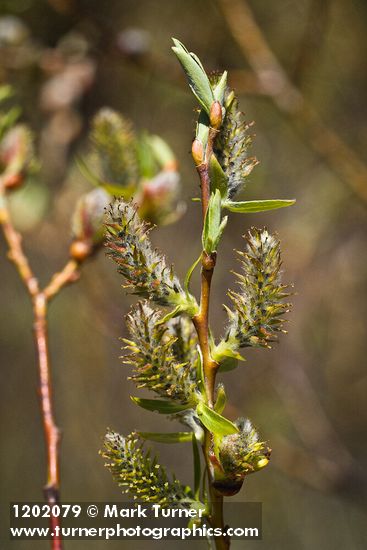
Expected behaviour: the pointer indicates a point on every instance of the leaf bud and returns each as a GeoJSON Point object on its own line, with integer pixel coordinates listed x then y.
{"type": "Point", "coordinates": [87, 223]}
{"type": "Point", "coordinates": [158, 199]}
{"type": "Point", "coordinates": [197, 152]}
{"type": "Point", "coordinates": [16, 156]}
{"type": "Point", "coordinates": [215, 116]}
{"type": "Point", "coordinates": [80, 250]}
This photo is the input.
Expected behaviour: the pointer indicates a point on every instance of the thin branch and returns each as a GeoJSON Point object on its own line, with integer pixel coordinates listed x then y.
{"type": "Point", "coordinates": [40, 299]}
{"type": "Point", "coordinates": [14, 242]}
{"type": "Point", "coordinates": [69, 274]}
{"type": "Point", "coordinates": [275, 83]}
{"type": "Point", "coordinates": [51, 431]}
{"type": "Point", "coordinates": [201, 323]}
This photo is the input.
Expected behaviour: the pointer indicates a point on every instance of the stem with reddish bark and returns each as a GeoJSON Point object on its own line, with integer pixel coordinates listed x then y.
{"type": "Point", "coordinates": [40, 300]}
{"type": "Point", "coordinates": [210, 367]}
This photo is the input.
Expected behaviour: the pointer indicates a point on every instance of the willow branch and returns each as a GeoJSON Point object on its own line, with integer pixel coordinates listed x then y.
{"type": "Point", "coordinates": [14, 242]}
{"type": "Point", "coordinates": [69, 274]}
{"type": "Point", "coordinates": [51, 431]}
{"type": "Point", "coordinates": [201, 323]}
{"type": "Point", "coordinates": [275, 83]}
{"type": "Point", "coordinates": [201, 319]}
{"type": "Point", "coordinates": [40, 299]}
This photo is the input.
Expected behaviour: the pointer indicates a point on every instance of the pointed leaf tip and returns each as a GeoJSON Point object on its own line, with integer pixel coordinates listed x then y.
{"type": "Point", "coordinates": [257, 206]}
{"type": "Point", "coordinates": [195, 73]}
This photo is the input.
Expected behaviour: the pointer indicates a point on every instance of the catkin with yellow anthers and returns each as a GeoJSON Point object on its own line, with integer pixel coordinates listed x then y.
{"type": "Point", "coordinates": [243, 453]}
{"type": "Point", "coordinates": [139, 474]}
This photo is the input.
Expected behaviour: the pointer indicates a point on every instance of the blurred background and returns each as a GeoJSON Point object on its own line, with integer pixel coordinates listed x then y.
{"type": "Point", "coordinates": [299, 68]}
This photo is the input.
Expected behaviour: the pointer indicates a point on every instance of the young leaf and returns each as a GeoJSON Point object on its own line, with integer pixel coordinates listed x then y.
{"type": "Point", "coordinates": [202, 128]}
{"type": "Point", "coordinates": [220, 88]}
{"type": "Point", "coordinates": [177, 437]}
{"type": "Point", "coordinates": [218, 179]}
{"type": "Point", "coordinates": [221, 400]}
{"type": "Point", "coordinates": [160, 406]}
{"type": "Point", "coordinates": [189, 274]}
{"type": "Point", "coordinates": [198, 80]}
{"type": "Point", "coordinates": [215, 422]}
{"type": "Point", "coordinates": [257, 206]}
{"type": "Point", "coordinates": [170, 315]}
{"type": "Point", "coordinates": [213, 225]}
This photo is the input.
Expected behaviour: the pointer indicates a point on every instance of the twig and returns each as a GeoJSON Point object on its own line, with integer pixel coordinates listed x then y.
{"type": "Point", "coordinates": [275, 83]}
{"type": "Point", "coordinates": [210, 367]}
{"type": "Point", "coordinates": [40, 299]}
{"type": "Point", "coordinates": [51, 431]}
{"type": "Point", "coordinates": [69, 274]}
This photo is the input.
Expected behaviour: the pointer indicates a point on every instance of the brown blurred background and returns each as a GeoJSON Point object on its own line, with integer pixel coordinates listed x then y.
{"type": "Point", "coordinates": [299, 67]}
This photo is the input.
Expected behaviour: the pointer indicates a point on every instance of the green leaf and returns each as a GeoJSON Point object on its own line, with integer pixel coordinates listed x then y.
{"type": "Point", "coordinates": [220, 88]}
{"type": "Point", "coordinates": [176, 437]}
{"type": "Point", "coordinates": [215, 422]}
{"type": "Point", "coordinates": [226, 354]}
{"type": "Point", "coordinates": [228, 363]}
{"type": "Point", "coordinates": [221, 400]}
{"type": "Point", "coordinates": [160, 406]}
{"type": "Point", "coordinates": [218, 179]}
{"type": "Point", "coordinates": [197, 466]}
{"type": "Point", "coordinates": [189, 274]}
{"type": "Point", "coordinates": [198, 80]}
{"type": "Point", "coordinates": [213, 225]}
{"type": "Point", "coordinates": [257, 206]}
{"type": "Point", "coordinates": [170, 315]}
{"type": "Point", "coordinates": [202, 128]}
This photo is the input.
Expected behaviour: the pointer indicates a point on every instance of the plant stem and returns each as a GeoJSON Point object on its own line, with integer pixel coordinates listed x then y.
{"type": "Point", "coordinates": [51, 431]}
{"type": "Point", "coordinates": [210, 367]}
{"type": "Point", "coordinates": [40, 299]}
